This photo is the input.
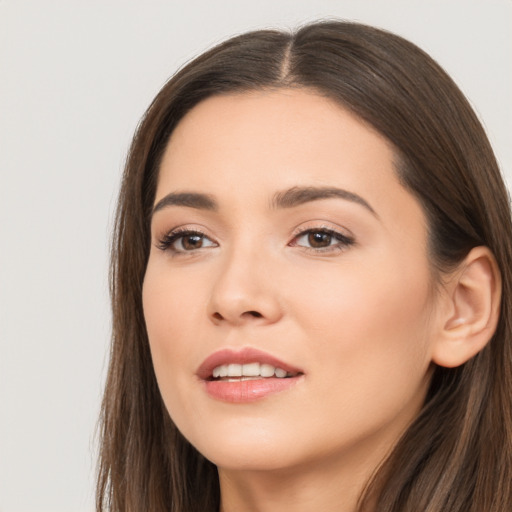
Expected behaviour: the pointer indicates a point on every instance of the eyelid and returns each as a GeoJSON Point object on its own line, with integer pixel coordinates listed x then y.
{"type": "Point", "coordinates": [322, 226]}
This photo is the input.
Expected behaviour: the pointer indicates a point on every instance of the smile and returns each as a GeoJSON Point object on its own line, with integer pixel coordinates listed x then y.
{"type": "Point", "coordinates": [246, 376]}
{"type": "Point", "coordinates": [249, 371]}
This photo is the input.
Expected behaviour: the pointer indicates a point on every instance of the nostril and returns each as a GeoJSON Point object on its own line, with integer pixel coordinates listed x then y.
{"type": "Point", "coordinates": [219, 317]}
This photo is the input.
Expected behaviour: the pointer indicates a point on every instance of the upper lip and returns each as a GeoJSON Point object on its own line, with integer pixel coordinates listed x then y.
{"type": "Point", "coordinates": [244, 356]}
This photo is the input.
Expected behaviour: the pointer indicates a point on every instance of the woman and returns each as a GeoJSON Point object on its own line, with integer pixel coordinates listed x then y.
{"type": "Point", "coordinates": [311, 288]}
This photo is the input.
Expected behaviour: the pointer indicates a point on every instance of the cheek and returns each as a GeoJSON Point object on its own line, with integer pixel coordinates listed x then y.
{"type": "Point", "coordinates": [170, 304]}
{"type": "Point", "coordinates": [370, 330]}
{"type": "Point", "coordinates": [351, 300]}
{"type": "Point", "coordinates": [170, 312]}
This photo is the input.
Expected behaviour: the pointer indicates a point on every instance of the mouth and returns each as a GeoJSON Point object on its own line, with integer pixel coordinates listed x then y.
{"type": "Point", "coordinates": [251, 371]}
{"type": "Point", "coordinates": [246, 375]}
{"type": "Point", "coordinates": [247, 364]}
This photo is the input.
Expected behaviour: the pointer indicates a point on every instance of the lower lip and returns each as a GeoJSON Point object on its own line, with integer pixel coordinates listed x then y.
{"type": "Point", "coordinates": [244, 391]}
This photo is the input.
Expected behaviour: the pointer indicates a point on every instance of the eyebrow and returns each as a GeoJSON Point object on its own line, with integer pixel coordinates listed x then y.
{"type": "Point", "coordinates": [286, 199]}
{"type": "Point", "coordinates": [188, 199]}
{"type": "Point", "coordinates": [299, 195]}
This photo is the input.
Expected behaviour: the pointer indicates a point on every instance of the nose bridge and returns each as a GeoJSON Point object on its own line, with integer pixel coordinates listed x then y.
{"type": "Point", "coordinates": [243, 287]}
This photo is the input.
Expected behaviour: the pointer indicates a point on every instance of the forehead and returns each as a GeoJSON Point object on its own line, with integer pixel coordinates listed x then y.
{"type": "Point", "coordinates": [257, 143]}
{"type": "Point", "coordinates": [259, 134]}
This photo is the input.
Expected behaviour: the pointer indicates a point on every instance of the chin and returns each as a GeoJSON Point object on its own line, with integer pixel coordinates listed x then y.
{"type": "Point", "coordinates": [242, 448]}
{"type": "Point", "coordinates": [258, 459]}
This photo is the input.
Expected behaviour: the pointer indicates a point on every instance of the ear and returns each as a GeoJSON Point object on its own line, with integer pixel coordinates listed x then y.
{"type": "Point", "coordinates": [470, 309]}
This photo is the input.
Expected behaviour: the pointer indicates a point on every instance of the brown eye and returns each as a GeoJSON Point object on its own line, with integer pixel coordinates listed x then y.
{"type": "Point", "coordinates": [319, 239]}
{"type": "Point", "coordinates": [191, 242]}
{"type": "Point", "coordinates": [322, 240]}
{"type": "Point", "coordinates": [185, 241]}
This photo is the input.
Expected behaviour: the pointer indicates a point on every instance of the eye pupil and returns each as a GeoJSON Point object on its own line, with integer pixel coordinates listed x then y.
{"type": "Point", "coordinates": [191, 242]}
{"type": "Point", "coordinates": [319, 239]}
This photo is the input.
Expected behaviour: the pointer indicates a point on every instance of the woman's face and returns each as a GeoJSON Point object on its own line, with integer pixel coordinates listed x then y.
{"type": "Point", "coordinates": [281, 236]}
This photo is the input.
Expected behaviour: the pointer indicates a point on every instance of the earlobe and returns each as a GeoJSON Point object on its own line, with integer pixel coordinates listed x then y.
{"type": "Point", "coordinates": [471, 311]}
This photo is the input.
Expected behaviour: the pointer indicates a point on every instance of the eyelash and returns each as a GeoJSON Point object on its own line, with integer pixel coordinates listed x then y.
{"type": "Point", "coordinates": [344, 241]}
{"type": "Point", "coordinates": [167, 241]}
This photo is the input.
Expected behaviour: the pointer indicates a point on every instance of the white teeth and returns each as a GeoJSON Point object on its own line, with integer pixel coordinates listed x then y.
{"type": "Point", "coordinates": [251, 370]}
{"type": "Point", "coordinates": [267, 370]}
{"type": "Point", "coordinates": [220, 371]}
{"type": "Point", "coordinates": [280, 373]}
{"type": "Point", "coordinates": [234, 370]}
{"type": "Point", "coordinates": [248, 370]}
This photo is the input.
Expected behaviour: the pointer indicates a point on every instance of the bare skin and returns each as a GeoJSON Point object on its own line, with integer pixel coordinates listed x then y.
{"type": "Point", "coordinates": [338, 285]}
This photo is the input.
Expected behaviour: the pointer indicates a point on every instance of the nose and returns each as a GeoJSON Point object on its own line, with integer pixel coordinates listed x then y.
{"type": "Point", "coordinates": [244, 291]}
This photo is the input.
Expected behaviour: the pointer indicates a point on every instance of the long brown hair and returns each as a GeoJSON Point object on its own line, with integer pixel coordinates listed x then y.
{"type": "Point", "coordinates": [457, 456]}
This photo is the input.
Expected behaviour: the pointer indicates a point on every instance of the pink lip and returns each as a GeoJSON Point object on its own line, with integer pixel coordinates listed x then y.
{"type": "Point", "coordinates": [245, 390]}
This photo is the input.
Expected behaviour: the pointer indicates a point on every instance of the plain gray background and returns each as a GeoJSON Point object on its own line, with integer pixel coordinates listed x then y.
{"type": "Point", "coordinates": [75, 77]}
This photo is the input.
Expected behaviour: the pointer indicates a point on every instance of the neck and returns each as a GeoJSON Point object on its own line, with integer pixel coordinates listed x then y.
{"type": "Point", "coordinates": [326, 486]}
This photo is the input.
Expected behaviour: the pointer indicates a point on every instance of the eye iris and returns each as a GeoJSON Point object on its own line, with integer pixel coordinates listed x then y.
{"type": "Point", "coordinates": [190, 242]}
{"type": "Point", "coordinates": [319, 239]}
